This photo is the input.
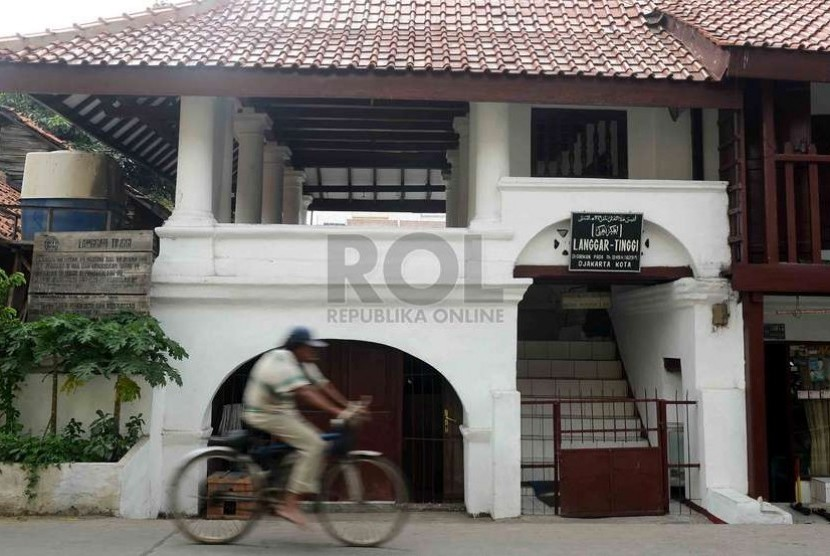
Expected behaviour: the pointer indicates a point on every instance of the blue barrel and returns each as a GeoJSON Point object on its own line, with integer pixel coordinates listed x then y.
{"type": "Point", "coordinates": [67, 191]}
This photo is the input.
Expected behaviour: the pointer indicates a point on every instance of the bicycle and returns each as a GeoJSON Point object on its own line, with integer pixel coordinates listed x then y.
{"type": "Point", "coordinates": [219, 492]}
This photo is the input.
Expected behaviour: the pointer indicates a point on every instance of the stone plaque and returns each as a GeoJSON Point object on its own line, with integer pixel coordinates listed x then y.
{"type": "Point", "coordinates": [41, 305]}
{"type": "Point", "coordinates": [85, 273]}
{"type": "Point", "coordinates": [95, 242]}
{"type": "Point", "coordinates": [91, 273]}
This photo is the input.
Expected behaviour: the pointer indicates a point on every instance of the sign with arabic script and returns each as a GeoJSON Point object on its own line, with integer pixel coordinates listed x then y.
{"type": "Point", "coordinates": [606, 242]}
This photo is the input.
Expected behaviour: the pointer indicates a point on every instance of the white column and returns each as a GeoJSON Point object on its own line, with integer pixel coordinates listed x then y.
{"type": "Point", "coordinates": [461, 176]}
{"type": "Point", "coordinates": [307, 200]}
{"type": "Point", "coordinates": [273, 173]}
{"type": "Point", "coordinates": [195, 173]}
{"type": "Point", "coordinates": [452, 194]}
{"type": "Point", "coordinates": [490, 154]}
{"type": "Point", "coordinates": [224, 144]}
{"type": "Point", "coordinates": [292, 196]}
{"type": "Point", "coordinates": [507, 449]}
{"type": "Point", "coordinates": [250, 128]}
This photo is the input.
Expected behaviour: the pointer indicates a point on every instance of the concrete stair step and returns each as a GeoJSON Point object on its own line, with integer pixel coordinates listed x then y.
{"type": "Point", "coordinates": [560, 350]}
{"type": "Point", "coordinates": [571, 369]}
{"type": "Point", "coordinates": [572, 388]}
{"type": "Point", "coordinates": [577, 409]}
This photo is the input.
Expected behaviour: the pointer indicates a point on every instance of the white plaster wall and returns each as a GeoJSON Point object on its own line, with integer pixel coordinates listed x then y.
{"type": "Point", "coordinates": [820, 98]}
{"type": "Point", "coordinates": [35, 398]}
{"type": "Point", "coordinates": [520, 140]}
{"type": "Point", "coordinates": [691, 212]}
{"type": "Point", "coordinates": [711, 140]}
{"type": "Point", "coordinates": [675, 320]}
{"type": "Point", "coordinates": [805, 327]}
{"type": "Point", "coordinates": [80, 488]}
{"type": "Point", "coordinates": [658, 147]}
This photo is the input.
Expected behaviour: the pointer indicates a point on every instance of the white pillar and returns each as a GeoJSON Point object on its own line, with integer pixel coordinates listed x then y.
{"type": "Point", "coordinates": [195, 173]}
{"type": "Point", "coordinates": [490, 154]}
{"type": "Point", "coordinates": [462, 175]}
{"type": "Point", "coordinates": [507, 447]}
{"type": "Point", "coordinates": [250, 128]}
{"type": "Point", "coordinates": [451, 184]}
{"type": "Point", "coordinates": [224, 147]}
{"type": "Point", "coordinates": [307, 200]}
{"type": "Point", "coordinates": [273, 173]}
{"type": "Point", "coordinates": [292, 196]}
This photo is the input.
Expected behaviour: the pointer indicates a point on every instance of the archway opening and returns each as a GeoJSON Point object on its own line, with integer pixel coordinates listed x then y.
{"type": "Point", "coordinates": [416, 413]}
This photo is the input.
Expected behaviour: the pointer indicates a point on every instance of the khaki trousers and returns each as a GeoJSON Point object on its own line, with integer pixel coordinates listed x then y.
{"type": "Point", "coordinates": [293, 429]}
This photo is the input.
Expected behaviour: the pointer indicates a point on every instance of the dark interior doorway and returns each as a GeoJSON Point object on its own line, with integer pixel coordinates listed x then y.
{"type": "Point", "coordinates": [416, 413]}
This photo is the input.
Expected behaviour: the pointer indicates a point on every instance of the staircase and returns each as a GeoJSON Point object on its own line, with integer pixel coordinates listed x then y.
{"type": "Point", "coordinates": [578, 370]}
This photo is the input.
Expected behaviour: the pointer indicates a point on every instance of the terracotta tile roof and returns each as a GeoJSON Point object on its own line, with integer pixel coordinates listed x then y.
{"type": "Point", "coordinates": [8, 196]}
{"type": "Point", "coordinates": [534, 37]}
{"type": "Point", "coordinates": [785, 24]}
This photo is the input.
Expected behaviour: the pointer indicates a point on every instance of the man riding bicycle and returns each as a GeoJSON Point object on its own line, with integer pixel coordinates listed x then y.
{"type": "Point", "coordinates": [278, 379]}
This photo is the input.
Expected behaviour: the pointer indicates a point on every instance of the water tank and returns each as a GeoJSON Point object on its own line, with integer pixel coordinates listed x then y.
{"type": "Point", "coordinates": [67, 191]}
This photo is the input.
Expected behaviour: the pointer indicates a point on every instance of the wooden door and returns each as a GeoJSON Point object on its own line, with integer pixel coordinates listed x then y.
{"type": "Point", "coordinates": [365, 369]}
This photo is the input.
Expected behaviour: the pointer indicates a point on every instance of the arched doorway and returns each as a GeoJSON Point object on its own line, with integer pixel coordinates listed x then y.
{"type": "Point", "coordinates": [416, 413]}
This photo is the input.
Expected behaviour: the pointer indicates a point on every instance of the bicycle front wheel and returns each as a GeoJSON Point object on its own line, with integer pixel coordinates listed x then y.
{"type": "Point", "coordinates": [214, 497]}
{"type": "Point", "coordinates": [364, 501]}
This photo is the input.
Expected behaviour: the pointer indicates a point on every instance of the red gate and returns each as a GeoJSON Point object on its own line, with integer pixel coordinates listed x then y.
{"type": "Point", "coordinates": [610, 455]}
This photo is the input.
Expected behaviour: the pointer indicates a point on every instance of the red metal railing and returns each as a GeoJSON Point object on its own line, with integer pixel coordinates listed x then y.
{"type": "Point", "coordinates": [610, 423]}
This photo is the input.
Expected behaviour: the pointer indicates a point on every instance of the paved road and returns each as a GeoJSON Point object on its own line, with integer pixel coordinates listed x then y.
{"type": "Point", "coordinates": [434, 534]}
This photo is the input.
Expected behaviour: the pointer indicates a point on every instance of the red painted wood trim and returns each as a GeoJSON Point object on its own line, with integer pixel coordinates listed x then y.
{"type": "Point", "coordinates": [649, 274]}
{"type": "Point", "coordinates": [789, 188]}
{"type": "Point", "coordinates": [782, 278]}
{"type": "Point", "coordinates": [234, 82]}
{"type": "Point", "coordinates": [756, 414]}
{"type": "Point", "coordinates": [770, 182]}
{"type": "Point", "coordinates": [705, 513]}
{"type": "Point", "coordinates": [815, 212]}
{"type": "Point", "coordinates": [771, 63]}
{"type": "Point", "coordinates": [796, 157]}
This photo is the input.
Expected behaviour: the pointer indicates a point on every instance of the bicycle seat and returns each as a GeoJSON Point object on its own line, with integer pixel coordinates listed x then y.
{"type": "Point", "coordinates": [237, 439]}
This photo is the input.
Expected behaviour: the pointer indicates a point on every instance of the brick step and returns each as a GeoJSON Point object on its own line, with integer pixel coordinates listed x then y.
{"type": "Point", "coordinates": [596, 351]}
{"type": "Point", "coordinates": [575, 369]}
{"type": "Point", "coordinates": [572, 388]}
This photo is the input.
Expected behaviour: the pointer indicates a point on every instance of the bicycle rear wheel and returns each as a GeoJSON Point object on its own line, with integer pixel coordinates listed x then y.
{"type": "Point", "coordinates": [363, 501]}
{"type": "Point", "coordinates": [214, 497]}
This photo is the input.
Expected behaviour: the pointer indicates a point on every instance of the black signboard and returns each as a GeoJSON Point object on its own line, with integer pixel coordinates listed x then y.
{"type": "Point", "coordinates": [775, 331]}
{"type": "Point", "coordinates": [606, 242]}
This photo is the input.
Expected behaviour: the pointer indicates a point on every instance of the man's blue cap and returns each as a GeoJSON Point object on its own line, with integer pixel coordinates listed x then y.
{"type": "Point", "coordinates": [302, 335]}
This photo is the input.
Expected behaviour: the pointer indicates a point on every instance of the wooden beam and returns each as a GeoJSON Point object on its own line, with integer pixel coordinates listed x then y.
{"type": "Point", "coordinates": [561, 274]}
{"type": "Point", "coordinates": [366, 135]}
{"type": "Point", "coordinates": [444, 86]}
{"type": "Point", "coordinates": [790, 208]}
{"type": "Point", "coordinates": [815, 210]}
{"type": "Point", "coordinates": [378, 206]}
{"type": "Point", "coordinates": [289, 125]}
{"type": "Point", "coordinates": [368, 146]}
{"type": "Point", "coordinates": [697, 143]}
{"type": "Point", "coordinates": [317, 189]}
{"type": "Point", "coordinates": [778, 64]}
{"type": "Point", "coordinates": [267, 102]}
{"type": "Point", "coordinates": [782, 278]}
{"type": "Point", "coordinates": [359, 112]}
{"type": "Point", "coordinates": [714, 58]}
{"type": "Point", "coordinates": [341, 159]}
{"type": "Point", "coordinates": [770, 172]}
{"type": "Point", "coordinates": [756, 414]}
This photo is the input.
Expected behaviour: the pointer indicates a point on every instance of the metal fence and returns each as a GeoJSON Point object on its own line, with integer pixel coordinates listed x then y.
{"type": "Point", "coordinates": [551, 427]}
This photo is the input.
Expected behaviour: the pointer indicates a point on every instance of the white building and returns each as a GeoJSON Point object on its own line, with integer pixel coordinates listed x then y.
{"type": "Point", "coordinates": [511, 138]}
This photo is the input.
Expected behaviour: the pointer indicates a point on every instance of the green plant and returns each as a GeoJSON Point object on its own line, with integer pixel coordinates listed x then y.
{"type": "Point", "coordinates": [16, 354]}
{"type": "Point", "coordinates": [126, 347]}
{"type": "Point", "coordinates": [35, 453]}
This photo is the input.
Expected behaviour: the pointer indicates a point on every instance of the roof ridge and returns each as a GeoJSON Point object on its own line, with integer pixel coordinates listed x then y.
{"type": "Point", "coordinates": [162, 13]}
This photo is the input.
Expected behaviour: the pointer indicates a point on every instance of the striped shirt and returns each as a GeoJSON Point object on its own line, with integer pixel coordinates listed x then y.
{"type": "Point", "coordinates": [274, 378]}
